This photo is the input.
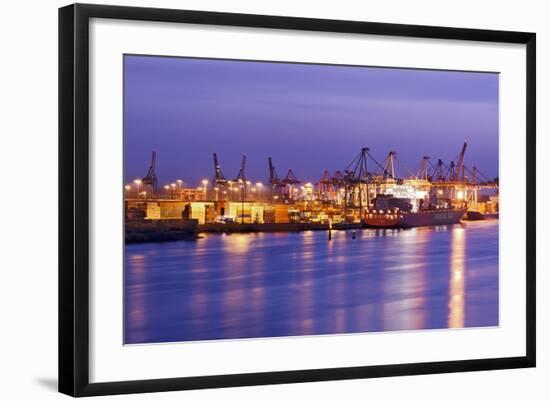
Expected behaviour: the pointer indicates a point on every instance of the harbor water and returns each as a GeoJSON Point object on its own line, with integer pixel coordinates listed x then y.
{"type": "Point", "coordinates": [230, 286]}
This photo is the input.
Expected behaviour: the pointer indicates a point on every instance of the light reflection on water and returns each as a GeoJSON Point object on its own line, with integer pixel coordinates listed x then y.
{"type": "Point", "coordinates": [457, 285]}
{"type": "Point", "coordinates": [287, 284]}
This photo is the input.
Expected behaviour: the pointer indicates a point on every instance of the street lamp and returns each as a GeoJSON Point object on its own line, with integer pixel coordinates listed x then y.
{"type": "Point", "coordinates": [204, 184]}
{"type": "Point", "coordinates": [243, 187]}
{"type": "Point", "coordinates": [259, 186]}
{"type": "Point", "coordinates": [246, 185]}
{"type": "Point", "coordinates": [138, 184]}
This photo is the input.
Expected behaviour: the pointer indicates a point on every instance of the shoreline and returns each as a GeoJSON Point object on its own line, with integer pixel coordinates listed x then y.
{"type": "Point", "coordinates": [177, 230]}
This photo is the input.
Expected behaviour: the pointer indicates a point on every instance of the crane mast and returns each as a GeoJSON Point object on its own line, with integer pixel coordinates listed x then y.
{"type": "Point", "coordinates": [151, 178]}
{"type": "Point", "coordinates": [219, 178]}
{"type": "Point", "coordinates": [460, 161]}
{"type": "Point", "coordinates": [241, 175]}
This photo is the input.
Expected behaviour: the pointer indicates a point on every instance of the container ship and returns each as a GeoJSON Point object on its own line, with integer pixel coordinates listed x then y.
{"type": "Point", "coordinates": [399, 219]}
{"type": "Point", "coordinates": [401, 213]}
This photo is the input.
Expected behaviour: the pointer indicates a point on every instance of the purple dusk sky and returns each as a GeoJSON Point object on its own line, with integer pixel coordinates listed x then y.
{"type": "Point", "coordinates": [306, 117]}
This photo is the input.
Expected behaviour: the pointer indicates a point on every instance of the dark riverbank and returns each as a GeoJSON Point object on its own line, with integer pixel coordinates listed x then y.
{"type": "Point", "coordinates": [160, 230]}
{"type": "Point", "coordinates": [270, 227]}
{"type": "Point", "coordinates": [175, 230]}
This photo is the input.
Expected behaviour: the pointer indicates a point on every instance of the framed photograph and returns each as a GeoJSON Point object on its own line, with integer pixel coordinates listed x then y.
{"type": "Point", "coordinates": [250, 199]}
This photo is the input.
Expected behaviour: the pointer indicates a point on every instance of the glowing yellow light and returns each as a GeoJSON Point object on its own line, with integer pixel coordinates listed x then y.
{"type": "Point", "coordinates": [173, 185]}
{"type": "Point", "coordinates": [204, 182]}
{"type": "Point", "coordinates": [167, 187]}
{"type": "Point", "coordinates": [127, 187]}
{"type": "Point", "coordinates": [460, 195]}
{"type": "Point", "coordinates": [137, 182]}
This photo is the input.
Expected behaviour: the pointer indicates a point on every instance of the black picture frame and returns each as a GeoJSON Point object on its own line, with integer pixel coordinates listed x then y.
{"type": "Point", "coordinates": [74, 198]}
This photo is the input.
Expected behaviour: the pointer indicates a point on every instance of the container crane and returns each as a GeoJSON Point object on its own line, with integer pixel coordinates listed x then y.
{"type": "Point", "coordinates": [150, 180]}
{"type": "Point", "coordinates": [460, 162]}
{"type": "Point", "coordinates": [219, 178]}
{"type": "Point", "coordinates": [273, 177]}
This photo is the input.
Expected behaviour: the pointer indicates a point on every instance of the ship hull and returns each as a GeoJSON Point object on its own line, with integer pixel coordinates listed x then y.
{"type": "Point", "coordinates": [472, 215]}
{"type": "Point", "coordinates": [418, 219]}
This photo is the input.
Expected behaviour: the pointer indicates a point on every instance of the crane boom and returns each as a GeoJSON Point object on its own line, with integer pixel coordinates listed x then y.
{"type": "Point", "coordinates": [460, 161]}
{"type": "Point", "coordinates": [218, 175]}
{"type": "Point", "coordinates": [273, 177]}
{"type": "Point", "coordinates": [241, 175]}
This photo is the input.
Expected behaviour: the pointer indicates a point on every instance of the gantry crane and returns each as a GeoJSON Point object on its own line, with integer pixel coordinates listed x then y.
{"type": "Point", "coordinates": [150, 180]}
{"type": "Point", "coordinates": [219, 178]}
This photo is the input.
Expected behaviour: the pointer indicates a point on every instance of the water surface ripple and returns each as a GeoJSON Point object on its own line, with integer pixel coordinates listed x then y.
{"type": "Point", "coordinates": [288, 284]}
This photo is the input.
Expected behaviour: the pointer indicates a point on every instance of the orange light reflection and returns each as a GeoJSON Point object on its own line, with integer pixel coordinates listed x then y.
{"type": "Point", "coordinates": [457, 279]}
